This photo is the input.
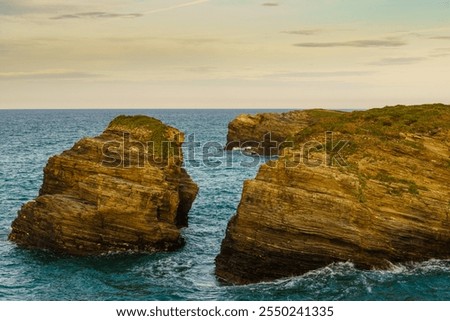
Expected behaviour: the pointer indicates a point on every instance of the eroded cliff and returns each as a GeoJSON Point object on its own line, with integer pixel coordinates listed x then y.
{"type": "Point", "coordinates": [124, 190]}
{"type": "Point", "coordinates": [370, 187]}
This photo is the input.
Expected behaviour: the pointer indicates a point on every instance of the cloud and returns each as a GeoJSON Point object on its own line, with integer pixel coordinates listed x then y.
{"type": "Point", "coordinates": [96, 15]}
{"type": "Point", "coordinates": [440, 52]}
{"type": "Point", "coordinates": [48, 74]}
{"type": "Point", "coordinates": [180, 41]}
{"type": "Point", "coordinates": [24, 7]}
{"type": "Point", "coordinates": [201, 69]}
{"type": "Point", "coordinates": [354, 43]}
{"type": "Point", "coordinates": [319, 74]}
{"type": "Point", "coordinates": [195, 41]}
{"type": "Point", "coordinates": [270, 4]}
{"type": "Point", "coordinates": [303, 32]}
{"type": "Point", "coordinates": [441, 37]}
{"type": "Point", "coordinates": [397, 61]}
{"type": "Point", "coordinates": [178, 6]}
{"type": "Point", "coordinates": [103, 15]}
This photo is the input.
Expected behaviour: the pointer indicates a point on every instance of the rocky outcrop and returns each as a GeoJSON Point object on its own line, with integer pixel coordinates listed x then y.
{"type": "Point", "coordinates": [124, 190]}
{"type": "Point", "coordinates": [376, 191]}
{"type": "Point", "coordinates": [265, 132]}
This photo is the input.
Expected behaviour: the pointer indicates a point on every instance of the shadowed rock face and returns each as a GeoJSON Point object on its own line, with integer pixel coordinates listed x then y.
{"type": "Point", "coordinates": [383, 198]}
{"type": "Point", "coordinates": [112, 193]}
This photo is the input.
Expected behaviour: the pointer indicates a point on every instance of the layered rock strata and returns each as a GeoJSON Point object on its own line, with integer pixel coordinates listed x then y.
{"type": "Point", "coordinates": [369, 187]}
{"type": "Point", "coordinates": [123, 191]}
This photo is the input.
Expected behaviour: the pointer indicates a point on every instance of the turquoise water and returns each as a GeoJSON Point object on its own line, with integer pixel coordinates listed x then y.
{"type": "Point", "coordinates": [29, 138]}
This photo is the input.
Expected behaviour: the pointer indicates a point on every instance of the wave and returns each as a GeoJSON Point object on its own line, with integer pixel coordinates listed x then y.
{"type": "Point", "coordinates": [343, 281]}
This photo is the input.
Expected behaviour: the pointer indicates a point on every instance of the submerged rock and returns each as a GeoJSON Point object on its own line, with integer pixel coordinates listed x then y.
{"type": "Point", "coordinates": [375, 191]}
{"type": "Point", "coordinates": [124, 190]}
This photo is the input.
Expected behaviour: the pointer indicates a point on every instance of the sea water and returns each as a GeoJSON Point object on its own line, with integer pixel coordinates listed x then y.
{"type": "Point", "coordinates": [29, 137]}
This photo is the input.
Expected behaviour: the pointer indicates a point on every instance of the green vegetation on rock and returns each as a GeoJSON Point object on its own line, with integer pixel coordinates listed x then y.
{"type": "Point", "coordinates": [148, 127]}
{"type": "Point", "coordinates": [147, 130]}
{"type": "Point", "coordinates": [411, 186]}
{"type": "Point", "coordinates": [387, 122]}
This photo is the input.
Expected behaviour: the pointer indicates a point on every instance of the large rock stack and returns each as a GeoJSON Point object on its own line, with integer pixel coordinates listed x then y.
{"type": "Point", "coordinates": [123, 191]}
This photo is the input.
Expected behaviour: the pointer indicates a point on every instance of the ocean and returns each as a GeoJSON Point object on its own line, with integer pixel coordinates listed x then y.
{"type": "Point", "coordinates": [30, 137]}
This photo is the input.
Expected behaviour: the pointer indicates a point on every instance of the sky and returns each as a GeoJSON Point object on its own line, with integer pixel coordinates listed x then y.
{"type": "Point", "coordinates": [223, 53]}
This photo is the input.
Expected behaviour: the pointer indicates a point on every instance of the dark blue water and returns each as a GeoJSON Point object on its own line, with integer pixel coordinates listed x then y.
{"type": "Point", "coordinates": [30, 137]}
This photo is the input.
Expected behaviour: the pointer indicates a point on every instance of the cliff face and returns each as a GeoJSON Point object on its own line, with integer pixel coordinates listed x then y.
{"type": "Point", "coordinates": [112, 193]}
{"type": "Point", "coordinates": [376, 192]}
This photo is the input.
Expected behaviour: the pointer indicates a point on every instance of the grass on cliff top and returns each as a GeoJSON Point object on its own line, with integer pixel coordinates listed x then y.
{"type": "Point", "coordinates": [386, 122]}
{"type": "Point", "coordinates": [143, 128]}
{"type": "Point", "coordinates": [147, 127]}
{"type": "Point", "coordinates": [138, 121]}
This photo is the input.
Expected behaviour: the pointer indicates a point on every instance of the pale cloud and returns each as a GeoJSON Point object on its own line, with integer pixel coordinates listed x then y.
{"type": "Point", "coordinates": [178, 6]}
{"type": "Point", "coordinates": [103, 15]}
{"type": "Point", "coordinates": [270, 4]}
{"type": "Point", "coordinates": [249, 74]}
{"type": "Point", "coordinates": [21, 7]}
{"type": "Point", "coordinates": [355, 43]}
{"type": "Point", "coordinates": [48, 74]}
{"type": "Point", "coordinates": [303, 32]}
{"type": "Point", "coordinates": [97, 15]}
{"type": "Point", "coordinates": [398, 61]}
{"type": "Point", "coordinates": [201, 69]}
{"type": "Point", "coordinates": [195, 41]}
{"type": "Point", "coordinates": [441, 37]}
{"type": "Point", "coordinates": [440, 52]}
{"type": "Point", "coordinates": [320, 74]}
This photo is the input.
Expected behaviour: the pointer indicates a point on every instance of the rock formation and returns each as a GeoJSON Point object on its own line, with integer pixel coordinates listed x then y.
{"type": "Point", "coordinates": [124, 190]}
{"type": "Point", "coordinates": [375, 191]}
{"type": "Point", "coordinates": [251, 130]}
